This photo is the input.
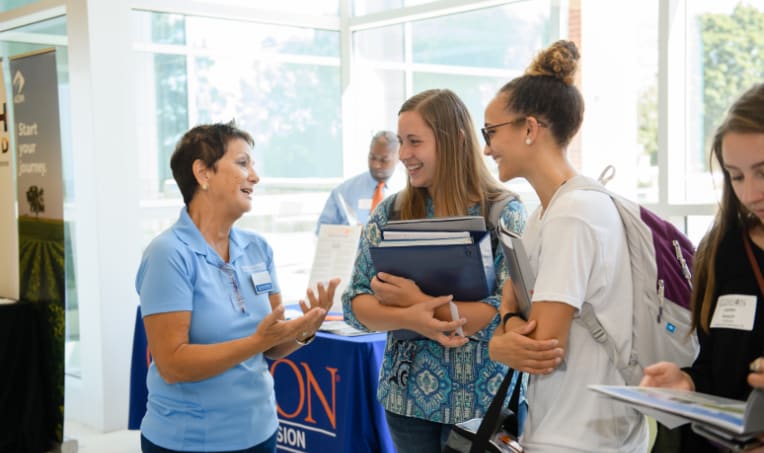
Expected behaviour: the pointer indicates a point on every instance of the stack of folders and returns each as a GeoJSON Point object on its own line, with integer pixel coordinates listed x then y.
{"type": "Point", "coordinates": [443, 256]}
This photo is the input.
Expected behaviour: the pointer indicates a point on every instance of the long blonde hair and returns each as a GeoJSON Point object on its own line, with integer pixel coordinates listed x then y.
{"type": "Point", "coordinates": [461, 176]}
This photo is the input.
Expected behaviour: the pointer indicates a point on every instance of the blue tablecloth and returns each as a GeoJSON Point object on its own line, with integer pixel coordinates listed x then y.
{"type": "Point", "coordinates": [326, 394]}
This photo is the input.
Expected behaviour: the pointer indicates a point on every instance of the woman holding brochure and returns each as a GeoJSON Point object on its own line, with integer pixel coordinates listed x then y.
{"type": "Point", "coordinates": [728, 290]}
{"type": "Point", "coordinates": [577, 248]}
{"type": "Point", "coordinates": [426, 385]}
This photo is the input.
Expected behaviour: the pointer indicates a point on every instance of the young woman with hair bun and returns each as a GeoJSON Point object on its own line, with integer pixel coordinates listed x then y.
{"type": "Point", "coordinates": [577, 248]}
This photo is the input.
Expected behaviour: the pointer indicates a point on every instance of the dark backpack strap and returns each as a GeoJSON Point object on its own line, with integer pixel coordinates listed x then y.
{"type": "Point", "coordinates": [492, 418]}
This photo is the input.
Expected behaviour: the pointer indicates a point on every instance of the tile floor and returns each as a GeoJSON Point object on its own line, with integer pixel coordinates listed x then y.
{"type": "Point", "coordinates": [89, 440]}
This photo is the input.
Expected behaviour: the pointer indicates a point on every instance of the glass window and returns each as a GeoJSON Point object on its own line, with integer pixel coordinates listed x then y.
{"type": "Point", "coordinates": [620, 126]}
{"type": "Point", "coordinates": [646, 67]}
{"type": "Point", "coordinates": [381, 93]}
{"type": "Point", "coordinates": [475, 91]}
{"type": "Point", "coordinates": [382, 44]}
{"type": "Point", "coordinates": [281, 84]}
{"type": "Point", "coordinates": [362, 7]}
{"type": "Point", "coordinates": [505, 37]}
{"type": "Point", "coordinates": [697, 227]}
{"type": "Point", "coordinates": [6, 5]}
{"type": "Point", "coordinates": [250, 39]}
{"type": "Point", "coordinates": [292, 110]}
{"type": "Point", "coordinates": [158, 28]}
{"type": "Point", "coordinates": [723, 46]}
{"type": "Point", "coordinates": [472, 53]}
{"type": "Point", "coordinates": [321, 7]}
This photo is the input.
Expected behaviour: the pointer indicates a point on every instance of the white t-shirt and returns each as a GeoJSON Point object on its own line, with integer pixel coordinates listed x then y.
{"type": "Point", "coordinates": [577, 249]}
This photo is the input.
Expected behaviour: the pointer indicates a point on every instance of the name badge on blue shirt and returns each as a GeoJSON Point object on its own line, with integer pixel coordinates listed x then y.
{"type": "Point", "coordinates": [262, 282]}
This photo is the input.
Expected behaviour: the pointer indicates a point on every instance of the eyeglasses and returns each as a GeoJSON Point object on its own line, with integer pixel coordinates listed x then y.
{"type": "Point", "coordinates": [486, 130]}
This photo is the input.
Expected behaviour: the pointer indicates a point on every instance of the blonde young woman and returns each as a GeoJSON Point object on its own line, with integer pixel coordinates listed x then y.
{"type": "Point", "coordinates": [427, 385]}
{"type": "Point", "coordinates": [577, 248]}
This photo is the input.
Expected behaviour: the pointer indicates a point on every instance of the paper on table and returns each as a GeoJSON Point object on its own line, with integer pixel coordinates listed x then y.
{"type": "Point", "coordinates": [335, 255]}
{"type": "Point", "coordinates": [341, 328]}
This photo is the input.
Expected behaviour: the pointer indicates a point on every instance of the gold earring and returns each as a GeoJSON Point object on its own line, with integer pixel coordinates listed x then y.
{"type": "Point", "coordinates": [205, 187]}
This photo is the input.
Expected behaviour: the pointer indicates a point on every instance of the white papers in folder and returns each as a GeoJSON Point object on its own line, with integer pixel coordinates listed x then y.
{"type": "Point", "coordinates": [397, 235]}
{"type": "Point", "coordinates": [424, 238]}
{"type": "Point", "coordinates": [425, 242]}
{"type": "Point", "coordinates": [519, 267]}
{"type": "Point", "coordinates": [336, 249]}
{"type": "Point", "coordinates": [460, 223]}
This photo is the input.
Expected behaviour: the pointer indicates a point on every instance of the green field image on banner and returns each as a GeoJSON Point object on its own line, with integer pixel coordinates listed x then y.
{"type": "Point", "coordinates": [40, 201]}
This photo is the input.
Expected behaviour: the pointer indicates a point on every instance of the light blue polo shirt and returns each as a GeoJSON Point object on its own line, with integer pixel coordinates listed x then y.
{"type": "Point", "coordinates": [179, 271]}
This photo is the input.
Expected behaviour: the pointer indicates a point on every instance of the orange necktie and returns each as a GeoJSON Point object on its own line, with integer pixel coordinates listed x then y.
{"type": "Point", "coordinates": [379, 194]}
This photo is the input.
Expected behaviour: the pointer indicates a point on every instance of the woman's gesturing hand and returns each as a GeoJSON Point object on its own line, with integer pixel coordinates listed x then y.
{"type": "Point", "coordinates": [274, 329]}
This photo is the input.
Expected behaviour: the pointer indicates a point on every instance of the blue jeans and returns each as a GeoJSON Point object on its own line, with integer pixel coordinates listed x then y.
{"type": "Point", "coordinates": [415, 435]}
{"type": "Point", "coordinates": [269, 446]}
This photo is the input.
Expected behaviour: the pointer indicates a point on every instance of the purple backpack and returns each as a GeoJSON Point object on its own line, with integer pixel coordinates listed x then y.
{"type": "Point", "coordinates": [661, 259]}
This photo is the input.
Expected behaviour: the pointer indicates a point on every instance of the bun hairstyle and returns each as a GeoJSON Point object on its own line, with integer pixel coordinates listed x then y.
{"type": "Point", "coordinates": [560, 60]}
{"type": "Point", "coordinates": [546, 91]}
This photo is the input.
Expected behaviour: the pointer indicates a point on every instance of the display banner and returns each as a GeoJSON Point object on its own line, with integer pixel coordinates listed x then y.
{"type": "Point", "coordinates": [39, 182]}
{"type": "Point", "coordinates": [9, 232]}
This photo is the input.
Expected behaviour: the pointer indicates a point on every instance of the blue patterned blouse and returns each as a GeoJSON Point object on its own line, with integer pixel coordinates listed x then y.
{"type": "Point", "coordinates": [421, 378]}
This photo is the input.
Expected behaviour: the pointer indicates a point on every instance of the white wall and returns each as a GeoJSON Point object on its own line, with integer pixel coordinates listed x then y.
{"type": "Point", "coordinates": [106, 230]}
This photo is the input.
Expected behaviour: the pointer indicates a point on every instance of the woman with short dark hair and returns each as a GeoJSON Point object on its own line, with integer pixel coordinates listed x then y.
{"type": "Point", "coordinates": [212, 308]}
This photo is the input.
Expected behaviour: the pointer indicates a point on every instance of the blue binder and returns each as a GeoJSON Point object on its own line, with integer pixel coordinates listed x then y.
{"type": "Point", "coordinates": [464, 270]}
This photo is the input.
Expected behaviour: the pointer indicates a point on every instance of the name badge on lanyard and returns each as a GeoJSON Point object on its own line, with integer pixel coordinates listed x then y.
{"type": "Point", "coordinates": [262, 282]}
{"type": "Point", "coordinates": [734, 311]}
